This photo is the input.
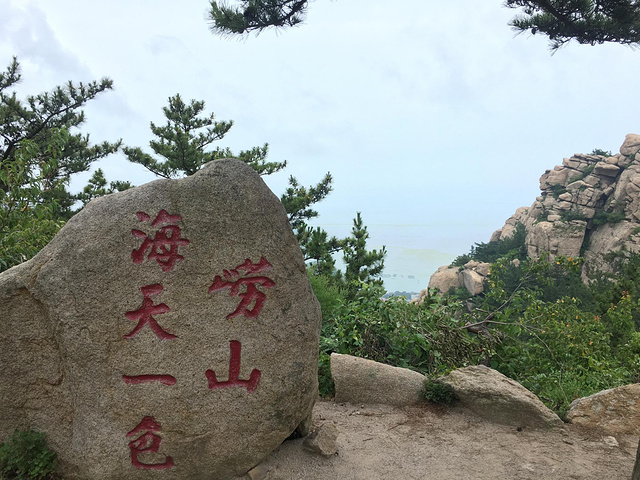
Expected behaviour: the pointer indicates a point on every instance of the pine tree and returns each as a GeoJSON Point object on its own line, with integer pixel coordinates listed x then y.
{"type": "Point", "coordinates": [38, 119]}
{"type": "Point", "coordinates": [255, 15]}
{"type": "Point", "coordinates": [97, 187]}
{"type": "Point", "coordinates": [38, 155]}
{"type": "Point", "coordinates": [298, 201]}
{"type": "Point", "coordinates": [361, 265]}
{"type": "Point", "coordinates": [585, 21]}
{"type": "Point", "coordinates": [183, 143]}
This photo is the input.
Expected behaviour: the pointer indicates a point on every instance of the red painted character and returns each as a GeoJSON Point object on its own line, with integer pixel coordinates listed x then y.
{"type": "Point", "coordinates": [163, 247]}
{"type": "Point", "coordinates": [233, 280]}
{"type": "Point", "coordinates": [148, 442]}
{"type": "Point", "coordinates": [144, 315]}
{"type": "Point", "coordinates": [234, 372]}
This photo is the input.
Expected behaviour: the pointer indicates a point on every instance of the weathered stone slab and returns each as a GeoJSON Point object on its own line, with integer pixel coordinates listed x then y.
{"type": "Point", "coordinates": [616, 410]}
{"type": "Point", "coordinates": [359, 380]}
{"type": "Point", "coordinates": [499, 399]}
{"type": "Point", "coordinates": [167, 331]}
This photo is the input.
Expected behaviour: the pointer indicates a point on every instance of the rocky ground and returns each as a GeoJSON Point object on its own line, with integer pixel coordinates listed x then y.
{"type": "Point", "coordinates": [431, 442]}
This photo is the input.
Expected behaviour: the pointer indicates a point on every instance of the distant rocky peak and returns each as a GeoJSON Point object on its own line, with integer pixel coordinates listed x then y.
{"type": "Point", "coordinates": [588, 207]}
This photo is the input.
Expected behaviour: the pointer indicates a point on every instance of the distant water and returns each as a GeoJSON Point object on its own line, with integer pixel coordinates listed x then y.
{"type": "Point", "coordinates": [414, 252]}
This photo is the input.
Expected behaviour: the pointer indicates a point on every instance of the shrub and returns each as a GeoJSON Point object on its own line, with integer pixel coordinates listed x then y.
{"type": "Point", "coordinates": [327, 292]}
{"type": "Point", "coordinates": [558, 190]}
{"type": "Point", "coordinates": [461, 260]}
{"type": "Point", "coordinates": [512, 247]}
{"type": "Point", "coordinates": [429, 338]}
{"type": "Point", "coordinates": [25, 456]}
{"type": "Point", "coordinates": [438, 392]}
{"type": "Point", "coordinates": [602, 217]}
{"type": "Point", "coordinates": [326, 387]}
{"type": "Point", "coordinates": [585, 173]}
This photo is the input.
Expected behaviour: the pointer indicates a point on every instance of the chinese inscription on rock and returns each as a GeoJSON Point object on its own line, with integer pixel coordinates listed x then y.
{"type": "Point", "coordinates": [246, 281]}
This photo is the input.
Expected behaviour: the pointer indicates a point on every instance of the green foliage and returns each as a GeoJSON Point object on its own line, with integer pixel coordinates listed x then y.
{"type": "Point", "coordinates": [584, 174]}
{"type": "Point", "coordinates": [184, 152]}
{"type": "Point", "coordinates": [430, 338]}
{"type": "Point", "coordinates": [461, 260]}
{"type": "Point", "coordinates": [558, 190]}
{"type": "Point", "coordinates": [39, 121]}
{"type": "Point", "coordinates": [438, 392]}
{"type": "Point", "coordinates": [97, 187]}
{"type": "Point", "coordinates": [602, 153]}
{"type": "Point", "coordinates": [609, 288]}
{"type": "Point", "coordinates": [25, 456]}
{"type": "Point", "coordinates": [38, 155]}
{"type": "Point", "coordinates": [601, 217]}
{"type": "Point", "coordinates": [27, 222]}
{"type": "Point", "coordinates": [561, 352]}
{"type": "Point", "coordinates": [553, 341]}
{"type": "Point", "coordinates": [571, 215]}
{"type": "Point", "coordinates": [298, 202]}
{"type": "Point", "coordinates": [326, 387]}
{"type": "Point", "coordinates": [585, 21]}
{"type": "Point", "coordinates": [255, 15]}
{"type": "Point", "coordinates": [512, 247]}
{"type": "Point", "coordinates": [328, 293]}
{"type": "Point", "coordinates": [362, 265]}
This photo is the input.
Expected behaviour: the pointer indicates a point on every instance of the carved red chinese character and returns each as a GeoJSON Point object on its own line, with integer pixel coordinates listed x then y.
{"type": "Point", "coordinates": [138, 379]}
{"type": "Point", "coordinates": [234, 372]}
{"type": "Point", "coordinates": [233, 280]}
{"type": "Point", "coordinates": [163, 247]}
{"type": "Point", "coordinates": [148, 442]}
{"type": "Point", "coordinates": [144, 314]}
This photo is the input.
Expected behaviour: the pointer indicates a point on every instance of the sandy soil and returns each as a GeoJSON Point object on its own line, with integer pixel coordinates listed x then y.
{"type": "Point", "coordinates": [432, 442]}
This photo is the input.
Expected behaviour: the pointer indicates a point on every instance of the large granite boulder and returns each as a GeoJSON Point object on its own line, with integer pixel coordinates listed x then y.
{"type": "Point", "coordinates": [616, 410]}
{"type": "Point", "coordinates": [499, 399]}
{"type": "Point", "coordinates": [445, 279]}
{"type": "Point", "coordinates": [471, 276]}
{"type": "Point", "coordinates": [167, 328]}
{"type": "Point", "coordinates": [358, 380]}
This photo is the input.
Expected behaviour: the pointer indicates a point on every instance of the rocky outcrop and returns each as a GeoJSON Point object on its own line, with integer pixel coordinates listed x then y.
{"type": "Point", "coordinates": [471, 276]}
{"type": "Point", "coordinates": [616, 410]}
{"type": "Point", "coordinates": [358, 380]}
{"type": "Point", "coordinates": [589, 207]}
{"type": "Point", "coordinates": [498, 399]}
{"type": "Point", "coordinates": [168, 327]}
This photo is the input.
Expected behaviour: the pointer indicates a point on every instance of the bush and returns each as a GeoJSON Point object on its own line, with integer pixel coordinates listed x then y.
{"type": "Point", "coordinates": [512, 247]}
{"type": "Point", "coordinates": [326, 387]}
{"type": "Point", "coordinates": [25, 456]}
{"type": "Point", "coordinates": [461, 260]}
{"type": "Point", "coordinates": [429, 338]}
{"type": "Point", "coordinates": [327, 292]}
{"type": "Point", "coordinates": [602, 217]}
{"type": "Point", "coordinates": [438, 392]}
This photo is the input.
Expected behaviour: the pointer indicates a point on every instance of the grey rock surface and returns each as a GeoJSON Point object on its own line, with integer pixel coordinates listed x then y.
{"type": "Point", "coordinates": [322, 441]}
{"type": "Point", "coordinates": [499, 399]}
{"type": "Point", "coordinates": [169, 328]}
{"type": "Point", "coordinates": [616, 410]}
{"type": "Point", "coordinates": [358, 380]}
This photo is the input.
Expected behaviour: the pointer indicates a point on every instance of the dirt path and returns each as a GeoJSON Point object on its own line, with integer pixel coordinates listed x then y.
{"type": "Point", "coordinates": [380, 442]}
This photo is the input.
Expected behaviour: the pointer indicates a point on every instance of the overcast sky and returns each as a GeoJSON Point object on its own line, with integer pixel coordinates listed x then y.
{"type": "Point", "coordinates": [434, 118]}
